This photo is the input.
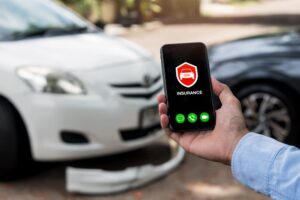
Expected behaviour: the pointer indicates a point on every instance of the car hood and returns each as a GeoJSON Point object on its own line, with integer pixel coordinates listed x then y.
{"type": "Point", "coordinates": [263, 46]}
{"type": "Point", "coordinates": [71, 52]}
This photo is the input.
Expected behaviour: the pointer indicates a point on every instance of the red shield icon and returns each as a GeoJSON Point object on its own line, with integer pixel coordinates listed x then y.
{"type": "Point", "coordinates": [187, 74]}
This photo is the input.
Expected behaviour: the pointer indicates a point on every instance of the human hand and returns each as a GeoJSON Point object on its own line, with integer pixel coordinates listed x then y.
{"type": "Point", "coordinates": [219, 143]}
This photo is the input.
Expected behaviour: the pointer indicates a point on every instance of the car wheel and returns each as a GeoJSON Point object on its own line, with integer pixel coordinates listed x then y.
{"type": "Point", "coordinates": [14, 149]}
{"type": "Point", "coordinates": [270, 111]}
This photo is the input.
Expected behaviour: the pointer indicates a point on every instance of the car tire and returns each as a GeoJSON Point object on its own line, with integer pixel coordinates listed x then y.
{"type": "Point", "coordinates": [15, 154]}
{"type": "Point", "coordinates": [277, 118]}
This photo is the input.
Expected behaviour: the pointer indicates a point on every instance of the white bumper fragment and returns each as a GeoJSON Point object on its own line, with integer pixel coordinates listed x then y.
{"type": "Point", "coordinates": [97, 181]}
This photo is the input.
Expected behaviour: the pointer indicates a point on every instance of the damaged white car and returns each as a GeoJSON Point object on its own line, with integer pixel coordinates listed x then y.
{"type": "Point", "coordinates": [69, 91]}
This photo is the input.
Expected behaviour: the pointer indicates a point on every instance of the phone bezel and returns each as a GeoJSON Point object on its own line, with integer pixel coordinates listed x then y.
{"type": "Point", "coordinates": [210, 85]}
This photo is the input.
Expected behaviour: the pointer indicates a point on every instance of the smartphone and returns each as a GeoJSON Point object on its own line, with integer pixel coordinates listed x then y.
{"type": "Point", "coordinates": [187, 85]}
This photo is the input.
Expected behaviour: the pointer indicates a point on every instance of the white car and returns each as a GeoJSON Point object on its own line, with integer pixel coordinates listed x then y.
{"type": "Point", "coordinates": [187, 73]}
{"type": "Point", "coordinates": [69, 91]}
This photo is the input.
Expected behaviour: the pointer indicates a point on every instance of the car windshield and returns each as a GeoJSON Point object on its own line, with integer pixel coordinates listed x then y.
{"type": "Point", "coordinates": [20, 19]}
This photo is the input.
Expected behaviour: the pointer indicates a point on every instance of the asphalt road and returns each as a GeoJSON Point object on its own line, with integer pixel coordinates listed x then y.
{"type": "Point", "coordinates": [193, 179]}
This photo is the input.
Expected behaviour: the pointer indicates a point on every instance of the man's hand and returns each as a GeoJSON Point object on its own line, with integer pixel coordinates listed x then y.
{"type": "Point", "coordinates": [218, 144]}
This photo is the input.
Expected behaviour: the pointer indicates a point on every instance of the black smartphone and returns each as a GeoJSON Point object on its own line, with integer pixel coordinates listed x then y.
{"type": "Point", "coordinates": [187, 85]}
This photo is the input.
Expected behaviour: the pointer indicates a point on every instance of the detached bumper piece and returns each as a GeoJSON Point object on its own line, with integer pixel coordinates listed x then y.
{"type": "Point", "coordinates": [97, 181]}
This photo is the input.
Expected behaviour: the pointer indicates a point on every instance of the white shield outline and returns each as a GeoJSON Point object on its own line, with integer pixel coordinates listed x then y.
{"type": "Point", "coordinates": [177, 75]}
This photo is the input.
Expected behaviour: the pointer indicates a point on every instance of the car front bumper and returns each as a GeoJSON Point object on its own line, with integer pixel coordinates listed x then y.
{"type": "Point", "coordinates": [98, 181]}
{"type": "Point", "coordinates": [99, 119]}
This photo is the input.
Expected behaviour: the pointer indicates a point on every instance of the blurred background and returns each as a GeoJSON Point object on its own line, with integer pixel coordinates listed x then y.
{"type": "Point", "coordinates": [261, 70]}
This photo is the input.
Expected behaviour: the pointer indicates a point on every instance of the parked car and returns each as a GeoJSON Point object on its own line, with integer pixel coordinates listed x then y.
{"type": "Point", "coordinates": [69, 91]}
{"type": "Point", "coordinates": [264, 73]}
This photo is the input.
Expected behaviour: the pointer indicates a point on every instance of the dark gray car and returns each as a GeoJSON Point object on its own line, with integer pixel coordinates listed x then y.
{"type": "Point", "coordinates": [264, 73]}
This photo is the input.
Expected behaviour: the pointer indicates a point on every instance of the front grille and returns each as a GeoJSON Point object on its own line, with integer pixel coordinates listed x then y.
{"type": "Point", "coordinates": [133, 134]}
{"type": "Point", "coordinates": [148, 95]}
{"type": "Point", "coordinates": [139, 90]}
{"type": "Point", "coordinates": [136, 85]}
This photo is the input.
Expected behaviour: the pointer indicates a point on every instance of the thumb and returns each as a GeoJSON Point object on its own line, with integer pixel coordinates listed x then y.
{"type": "Point", "coordinates": [223, 92]}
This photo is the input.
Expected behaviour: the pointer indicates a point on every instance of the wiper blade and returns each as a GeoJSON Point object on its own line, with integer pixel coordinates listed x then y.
{"type": "Point", "coordinates": [28, 34]}
{"type": "Point", "coordinates": [73, 30]}
{"type": "Point", "coordinates": [48, 32]}
{"type": "Point", "coordinates": [67, 30]}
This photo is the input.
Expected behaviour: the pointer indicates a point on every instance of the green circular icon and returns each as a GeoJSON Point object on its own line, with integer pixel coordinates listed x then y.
{"type": "Point", "coordinates": [204, 117]}
{"type": "Point", "coordinates": [192, 117]}
{"type": "Point", "coordinates": [180, 118]}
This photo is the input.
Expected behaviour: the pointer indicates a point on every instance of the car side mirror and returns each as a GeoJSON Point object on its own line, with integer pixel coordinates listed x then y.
{"type": "Point", "coordinates": [100, 24]}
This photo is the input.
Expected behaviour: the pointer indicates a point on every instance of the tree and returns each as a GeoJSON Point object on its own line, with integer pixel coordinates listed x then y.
{"type": "Point", "coordinates": [180, 8]}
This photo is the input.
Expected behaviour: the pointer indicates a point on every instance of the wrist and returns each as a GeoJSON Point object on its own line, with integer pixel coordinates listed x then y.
{"type": "Point", "coordinates": [235, 142]}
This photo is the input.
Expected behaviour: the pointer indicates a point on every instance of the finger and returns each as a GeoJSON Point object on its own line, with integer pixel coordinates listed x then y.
{"type": "Point", "coordinates": [161, 98]}
{"type": "Point", "coordinates": [217, 86]}
{"type": "Point", "coordinates": [162, 108]}
{"type": "Point", "coordinates": [173, 136]}
{"type": "Point", "coordinates": [223, 91]}
{"type": "Point", "coordinates": [164, 121]}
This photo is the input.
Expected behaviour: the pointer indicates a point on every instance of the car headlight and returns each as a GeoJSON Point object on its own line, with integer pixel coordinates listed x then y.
{"type": "Point", "coordinates": [48, 80]}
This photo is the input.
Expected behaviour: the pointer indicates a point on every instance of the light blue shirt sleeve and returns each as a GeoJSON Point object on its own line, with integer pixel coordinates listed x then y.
{"type": "Point", "coordinates": [267, 166]}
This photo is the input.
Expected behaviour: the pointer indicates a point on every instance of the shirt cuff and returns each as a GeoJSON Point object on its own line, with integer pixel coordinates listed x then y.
{"type": "Point", "coordinates": [252, 159]}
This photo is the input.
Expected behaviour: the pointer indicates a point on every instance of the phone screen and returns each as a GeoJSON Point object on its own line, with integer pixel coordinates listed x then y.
{"type": "Point", "coordinates": [188, 87]}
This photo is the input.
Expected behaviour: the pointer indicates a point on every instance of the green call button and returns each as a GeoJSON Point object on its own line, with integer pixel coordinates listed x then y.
{"type": "Point", "coordinates": [180, 118]}
{"type": "Point", "coordinates": [204, 117]}
{"type": "Point", "coordinates": [192, 118]}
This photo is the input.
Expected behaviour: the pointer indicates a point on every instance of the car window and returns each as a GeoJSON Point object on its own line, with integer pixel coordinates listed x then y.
{"type": "Point", "coordinates": [30, 15]}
